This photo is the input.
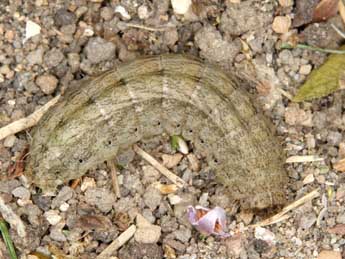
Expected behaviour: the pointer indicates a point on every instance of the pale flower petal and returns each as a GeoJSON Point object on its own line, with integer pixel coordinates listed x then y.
{"type": "Point", "coordinates": [208, 221]}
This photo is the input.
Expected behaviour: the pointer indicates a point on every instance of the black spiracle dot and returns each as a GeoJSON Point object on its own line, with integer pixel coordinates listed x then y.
{"type": "Point", "coordinates": [80, 160]}
{"type": "Point", "coordinates": [159, 123]}
{"type": "Point", "coordinates": [178, 125]}
{"type": "Point", "coordinates": [109, 142]}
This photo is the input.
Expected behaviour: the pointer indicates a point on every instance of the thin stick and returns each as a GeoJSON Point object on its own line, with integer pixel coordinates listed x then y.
{"type": "Point", "coordinates": [303, 46]}
{"type": "Point", "coordinates": [341, 34]}
{"type": "Point", "coordinates": [304, 159]}
{"type": "Point", "coordinates": [114, 180]}
{"type": "Point", "coordinates": [163, 170]}
{"type": "Point", "coordinates": [117, 243]}
{"type": "Point", "coordinates": [281, 215]}
{"type": "Point", "coordinates": [27, 122]}
{"type": "Point", "coordinates": [143, 27]}
{"type": "Point", "coordinates": [12, 218]}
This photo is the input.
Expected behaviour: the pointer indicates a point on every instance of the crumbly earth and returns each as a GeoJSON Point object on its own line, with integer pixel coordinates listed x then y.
{"type": "Point", "coordinates": [80, 38]}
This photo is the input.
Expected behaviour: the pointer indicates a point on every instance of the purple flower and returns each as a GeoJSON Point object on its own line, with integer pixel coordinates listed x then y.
{"type": "Point", "coordinates": [208, 221]}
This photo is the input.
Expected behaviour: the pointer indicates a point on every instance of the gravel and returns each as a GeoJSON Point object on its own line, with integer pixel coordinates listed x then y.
{"type": "Point", "coordinates": [98, 50]}
{"type": "Point", "coordinates": [101, 198]}
{"type": "Point", "coordinates": [47, 83]}
{"type": "Point", "coordinates": [81, 38]}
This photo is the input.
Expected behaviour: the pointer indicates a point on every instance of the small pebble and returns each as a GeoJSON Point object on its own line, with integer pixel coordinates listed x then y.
{"type": "Point", "coordinates": [52, 217]}
{"type": "Point", "coordinates": [281, 24]}
{"type": "Point", "coordinates": [152, 198]}
{"type": "Point", "coordinates": [22, 193]}
{"type": "Point", "coordinates": [305, 69]}
{"type": "Point", "coordinates": [143, 12]}
{"type": "Point", "coordinates": [181, 6]}
{"type": "Point", "coordinates": [64, 207]}
{"type": "Point", "coordinates": [103, 199]}
{"type": "Point", "coordinates": [53, 57]}
{"type": "Point", "coordinates": [9, 141]}
{"type": "Point", "coordinates": [98, 50]}
{"type": "Point", "coordinates": [123, 12]}
{"type": "Point", "coordinates": [47, 83]}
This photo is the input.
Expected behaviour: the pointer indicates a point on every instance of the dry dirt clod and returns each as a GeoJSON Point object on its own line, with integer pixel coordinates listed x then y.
{"type": "Point", "coordinates": [47, 83]}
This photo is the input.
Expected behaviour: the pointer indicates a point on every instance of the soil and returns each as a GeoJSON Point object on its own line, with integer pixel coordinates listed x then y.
{"type": "Point", "coordinates": [79, 39]}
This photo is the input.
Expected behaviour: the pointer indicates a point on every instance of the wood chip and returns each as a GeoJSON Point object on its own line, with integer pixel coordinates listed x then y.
{"type": "Point", "coordinates": [340, 165]}
{"type": "Point", "coordinates": [117, 243]}
{"type": "Point", "coordinates": [303, 159]}
{"type": "Point", "coordinates": [114, 180]}
{"type": "Point", "coordinates": [165, 188]}
{"type": "Point", "coordinates": [194, 162]}
{"type": "Point", "coordinates": [27, 122]}
{"type": "Point", "coordinates": [163, 170]}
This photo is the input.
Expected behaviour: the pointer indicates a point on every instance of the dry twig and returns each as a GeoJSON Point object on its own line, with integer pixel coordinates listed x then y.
{"type": "Point", "coordinates": [303, 159]}
{"type": "Point", "coordinates": [114, 180]}
{"type": "Point", "coordinates": [163, 170]}
{"type": "Point", "coordinates": [117, 243]}
{"type": "Point", "coordinates": [12, 218]}
{"type": "Point", "coordinates": [27, 122]}
{"type": "Point", "coordinates": [143, 27]}
{"type": "Point", "coordinates": [282, 215]}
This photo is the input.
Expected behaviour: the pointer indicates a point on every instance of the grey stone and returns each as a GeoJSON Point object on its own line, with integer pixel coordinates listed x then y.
{"type": "Point", "coordinates": [150, 174]}
{"type": "Point", "coordinates": [107, 13]}
{"type": "Point", "coordinates": [149, 234]}
{"type": "Point", "coordinates": [101, 198]}
{"type": "Point", "coordinates": [152, 198]}
{"type": "Point", "coordinates": [56, 232]}
{"type": "Point", "coordinates": [242, 17]}
{"type": "Point", "coordinates": [21, 192]}
{"type": "Point", "coordinates": [334, 138]}
{"type": "Point", "coordinates": [65, 194]}
{"type": "Point", "coordinates": [8, 186]}
{"type": "Point", "coordinates": [133, 183]}
{"type": "Point", "coordinates": [148, 216]}
{"type": "Point", "coordinates": [286, 57]}
{"type": "Point", "coordinates": [53, 57]}
{"type": "Point", "coordinates": [183, 234]}
{"type": "Point", "coordinates": [64, 17]}
{"type": "Point", "coordinates": [35, 57]}
{"type": "Point", "coordinates": [307, 220]}
{"type": "Point", "coordinates": [98, 50]}
{"type": "Point", "coordinates": [214, 48]}
{"type": "Point", "coordinates": [140, 251]}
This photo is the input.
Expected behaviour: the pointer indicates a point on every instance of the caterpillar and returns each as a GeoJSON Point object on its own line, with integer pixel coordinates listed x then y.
{"type": "Point", "coordinates": [172, 94]}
